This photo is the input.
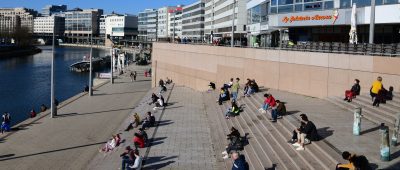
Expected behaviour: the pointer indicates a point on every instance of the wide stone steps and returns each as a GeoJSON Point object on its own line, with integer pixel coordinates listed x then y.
{"type": "Point", "coordinates": [385, 113]}
{"type": "Point", "coordinates": [321, 151]}
{"type": "Point", "coordinates": [268, 145]}
{"type": "Point", "coordinates": [250, 152]}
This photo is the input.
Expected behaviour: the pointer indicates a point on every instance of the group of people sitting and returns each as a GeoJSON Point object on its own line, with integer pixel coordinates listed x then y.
{"type": "Point", "coordinates": [236, 143]}
{"type": "Point", "coordinates": [275, 107]}
{"type": "Point", "coordinates": [234, 87]}
{"type": "Point", "coordinates": [378, 93]}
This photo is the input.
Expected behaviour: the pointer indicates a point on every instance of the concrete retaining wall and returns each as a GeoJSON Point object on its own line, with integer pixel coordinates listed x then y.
{"type": "Point", "coordinates": [308, 73]}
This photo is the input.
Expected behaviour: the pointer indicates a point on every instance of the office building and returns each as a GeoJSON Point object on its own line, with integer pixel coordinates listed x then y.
{"type": "Point", "coordinates": [193, 21]}
{"type": "Point", "coordinates": [147, 25]}
{"type": "Point", "coordinates": [219, 16]}
{"type": "Point", "coordinates": [49, 10]}
{"type": "Point", "coordinates": [45, 26]}
{"type": "Point", "coordinates": [81, 24]}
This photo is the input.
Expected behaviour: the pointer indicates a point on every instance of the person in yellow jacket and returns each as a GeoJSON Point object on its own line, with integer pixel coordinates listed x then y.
{"type": "Point", "coordinates": [376, 87]}
{"type": "Point", "coordinates": [347, 156]}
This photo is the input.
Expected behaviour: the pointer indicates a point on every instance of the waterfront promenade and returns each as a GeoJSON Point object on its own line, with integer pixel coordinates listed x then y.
{"type": "Point", "coordinates": [73, 138]}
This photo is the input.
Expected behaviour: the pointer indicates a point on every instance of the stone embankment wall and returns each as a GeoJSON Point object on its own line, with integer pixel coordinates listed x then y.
{"type": "Point", "coordinates": [308, 73]}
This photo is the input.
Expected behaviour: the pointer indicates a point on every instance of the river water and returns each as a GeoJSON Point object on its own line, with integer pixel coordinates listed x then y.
{"type": "Point", "coordinates": [25, 81]}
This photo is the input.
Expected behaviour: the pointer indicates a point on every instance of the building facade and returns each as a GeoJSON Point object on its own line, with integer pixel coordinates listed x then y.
{"type": "Point", "coordinates": [259, 32]}
{"type": "Point", "coordinates": [8, 24]}
{"type": "Point", "coordinates": [45, 26]}
{"type": "Point", "coordinates": [122, 26]}
{"type": "Point", "coordinates": [49, 10]}
{"type": "Point", "coordinates": [193, 21]}
{"type": "Point", "coordinates": [175, 23]}
{"type": "Point", "coordinates": [220, 15]}
{"type": "Point", "coordinates": [25, 16]}
{"type": "Point", "coordinates": [163, 23]}
{"type": "Point", "coordinates": [102, 25]}
{"type": "Point", "coordinates": [147, 25]}
{"type": "Point", "coordinates": [329, 20]}
{"type": "Point", "coordinates": [81, 24]}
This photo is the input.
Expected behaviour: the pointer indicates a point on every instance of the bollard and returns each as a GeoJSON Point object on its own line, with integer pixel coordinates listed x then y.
{"type": "Point", "coordinates": [396, 131]}
{"type": "Point", "coordinates": [385, 149]}
{"type": "Point", "coordinates": [357, 121]}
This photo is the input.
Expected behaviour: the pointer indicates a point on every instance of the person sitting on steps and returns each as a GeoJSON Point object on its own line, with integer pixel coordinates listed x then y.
{"type": "Point", "coordinates": [355, 91]}
{"type": "Point", "coordinates": [223, 96]}
{"type": "Point", "coordinates": [138, 141]}
{"type": "Point", "coordinates": [307, 134]}
{"type": "Point", "coordinates": [135, 122]}
{"type": "Point", "coordinates": [234, 138]}
{"type": "Point", "coordinates": [280, 108]}
{"type": "Point", "coordinates": [149, 121]}
{"type": "Point", "coordinates": [233, 111]}
{"type": "Point", "coordinates": [356, 162]}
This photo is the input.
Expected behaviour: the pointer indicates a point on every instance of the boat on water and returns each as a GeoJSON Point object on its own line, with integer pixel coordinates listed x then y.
{"type": "Point", "coordinates": [84, 65]}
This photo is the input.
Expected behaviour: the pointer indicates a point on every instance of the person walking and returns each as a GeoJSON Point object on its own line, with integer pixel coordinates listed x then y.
{"type": "Point", "coordinates": [131, 75]}
{"type": "Point", "coordinates": [134, 75]}
{"type": "Point", "coordinates": [235, 90]}
{"type": "Point", "coordinates": [376, 87]}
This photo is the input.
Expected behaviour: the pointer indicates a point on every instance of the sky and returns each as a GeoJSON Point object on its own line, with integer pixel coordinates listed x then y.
{"type": "Point", "coordinates": [118, 6]}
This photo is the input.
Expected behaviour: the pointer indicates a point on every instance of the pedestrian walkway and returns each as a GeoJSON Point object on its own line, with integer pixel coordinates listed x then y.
{"type": "Point", "coordinates": [183, 141]}
{"type": "Point", "coordinates": [73, 138]}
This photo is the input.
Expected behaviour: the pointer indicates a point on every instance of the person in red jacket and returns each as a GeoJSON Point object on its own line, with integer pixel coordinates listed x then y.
{"type": "Point", "coordinates": [138, 140]}
{"type": "Point", "coordinates": [270, 104]}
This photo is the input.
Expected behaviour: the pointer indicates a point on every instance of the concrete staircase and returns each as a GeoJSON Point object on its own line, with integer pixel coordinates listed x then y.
{"type": "Point", "coordinates": [268, 147]}
{"type": "Point", "coordinates": [385, 113]}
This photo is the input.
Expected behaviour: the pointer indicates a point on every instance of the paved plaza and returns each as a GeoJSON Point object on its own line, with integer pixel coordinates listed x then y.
{"type": "Point", "coordinates": [72, 139]}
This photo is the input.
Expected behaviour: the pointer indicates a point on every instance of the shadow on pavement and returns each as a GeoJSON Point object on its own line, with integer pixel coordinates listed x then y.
{"type": "Point", "coordinates": [165, 122]}
{"type": "Point", "coordinates": [158, 166]}
{"type": "Point", "coordinates": [370, 130]}
{"type": "Point", "coordinates": [292, 112]}
{"type": "Point", "coordinates": [46, 152]}
{"type": "Point", "coordinates": [79, 114]}
{"type": "Point", "coordinates": [156, 159]}
{"type": "Point", "coordinates": [131, 92]}
{"type": "Point", "coordinates": [324, 132]}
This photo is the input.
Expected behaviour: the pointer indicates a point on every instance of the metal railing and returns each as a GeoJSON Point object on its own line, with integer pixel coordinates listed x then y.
{"type": "Point", "coordinates": [391, 50]}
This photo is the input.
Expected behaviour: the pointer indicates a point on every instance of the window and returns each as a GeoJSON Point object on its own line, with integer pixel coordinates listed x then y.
{"type": "Point", "coordinates": [328, 5]}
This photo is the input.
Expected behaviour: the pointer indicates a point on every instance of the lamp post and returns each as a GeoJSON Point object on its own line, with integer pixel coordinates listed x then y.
{"type": "Point", "coordinates": [372, 23]}
{"type": "Point", "coordinates": [233, 22]}
{"type": "Point", "coordinates": [52, 98]}
{"type": "Point", "coordinates": [90, 65]}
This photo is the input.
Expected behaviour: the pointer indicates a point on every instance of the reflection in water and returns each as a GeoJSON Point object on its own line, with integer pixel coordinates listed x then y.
{"type": "Point", "coordinates": [25, 81]}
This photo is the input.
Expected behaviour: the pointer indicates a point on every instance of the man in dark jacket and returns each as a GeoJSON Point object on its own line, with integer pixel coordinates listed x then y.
{"type": "Point", "coordinates": [238, 164]}
{"type": "Point", "coordinates": [309, 132]}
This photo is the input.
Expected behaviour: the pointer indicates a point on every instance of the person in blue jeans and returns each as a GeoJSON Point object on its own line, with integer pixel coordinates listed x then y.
{"type": "Point", "coordinates": [128, 158]}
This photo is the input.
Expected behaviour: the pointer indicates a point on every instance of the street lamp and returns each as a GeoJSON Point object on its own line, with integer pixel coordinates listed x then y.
{"type": "Point", "coordinates": [233, 22]}
{"type": "Point", "coordinates": [91, 67]}
{"type": "Point", "coordinates": [52, 98]}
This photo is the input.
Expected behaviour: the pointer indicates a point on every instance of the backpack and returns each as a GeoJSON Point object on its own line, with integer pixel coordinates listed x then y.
{"type": "Point", "coordinates": [361, 163]}
{"type": "Point", "coordinates": [246, 164]}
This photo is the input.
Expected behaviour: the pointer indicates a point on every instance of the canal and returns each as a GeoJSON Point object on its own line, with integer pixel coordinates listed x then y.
{"type": "Point", "coordinates": [25, 81]}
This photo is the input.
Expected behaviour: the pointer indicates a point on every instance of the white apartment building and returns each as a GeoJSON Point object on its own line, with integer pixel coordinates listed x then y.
{"type": "Point", "coordinates": [175, 23]}
{"type": "Point", "coordinates": [121, 26]}
{"type": "Point", "coordinates": [193, 21]}
{"type": "Point", "coordinates": [25, 16]}
{"type": "Point", "coordinates": [8, 24]}
{"type": "Point", "coordinates": [48, 25]}
{"type": "Point", "coordinates": [219, 16]}
{"type": "Point", "coordinates": [163, 23]}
